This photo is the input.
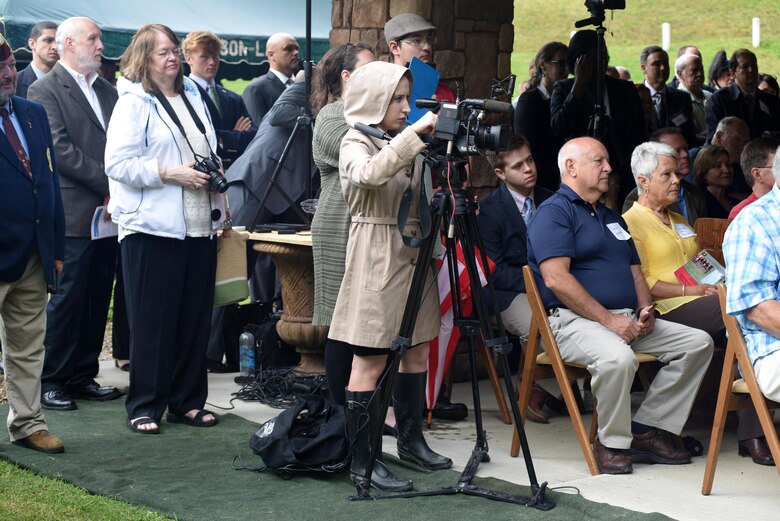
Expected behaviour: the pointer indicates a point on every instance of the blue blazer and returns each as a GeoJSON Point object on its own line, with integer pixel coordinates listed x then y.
{"type": "Point", "coordinates": [230, 143]}
{"type": "Point", "coordinates": [31, 213]}
{"type": "Point", "coordinates": [25, 78]}
{"type": "Point", "coordinates": [504, 240]}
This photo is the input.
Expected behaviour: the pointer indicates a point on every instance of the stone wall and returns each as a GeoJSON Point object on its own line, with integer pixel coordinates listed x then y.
{"type": "Point", "coordinates": [473, 49]}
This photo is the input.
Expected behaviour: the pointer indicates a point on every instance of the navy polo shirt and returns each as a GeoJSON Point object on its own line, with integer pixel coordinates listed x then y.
{"type": "Point", "coordinates": [595, 239]}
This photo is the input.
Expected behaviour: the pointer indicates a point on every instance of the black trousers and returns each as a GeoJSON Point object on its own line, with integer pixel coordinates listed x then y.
{"type": "Point", "coordinates": [169, 290]}
{"type": "Point", "coordinates": [120, 332]}
{"type": "Point", "coordinates": [76, 314]}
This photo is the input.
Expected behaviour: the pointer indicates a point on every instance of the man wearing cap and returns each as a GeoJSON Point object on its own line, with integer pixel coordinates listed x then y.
{"type": "Point", "coordinates": [32, 249]}
{"type": "Point", "coordinates": [79, 104]}
{"type": "Point", "coordinates": [44, 56]}
{"type": "Point", "coordinates": [261, 93]}
{"type": "Point", "coordinates": [412, 36]}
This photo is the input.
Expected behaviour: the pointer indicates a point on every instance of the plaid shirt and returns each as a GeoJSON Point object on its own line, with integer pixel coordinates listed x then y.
{"type": "Point", "coordinates": [751, 249]}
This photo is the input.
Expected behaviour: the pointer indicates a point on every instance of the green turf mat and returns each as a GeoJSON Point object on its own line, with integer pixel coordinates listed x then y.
{"type": "Point", "coordinates": [186, 472]}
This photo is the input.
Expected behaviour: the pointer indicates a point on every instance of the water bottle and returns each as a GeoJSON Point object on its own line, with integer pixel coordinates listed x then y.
{"type": "Point", "coordinates": [246, 346]}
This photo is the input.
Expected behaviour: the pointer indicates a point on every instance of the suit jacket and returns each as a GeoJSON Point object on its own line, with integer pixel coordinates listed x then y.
{"type": "Point", "coordinates": [250, 174]}
{"type": "Point", "coordinates": [23, 81]}
{"type": "Point", "coordinates": [230, 143]}
{"type": "Point", "coordinates": [504, 240]}
{"type": "Point", "coordinates": [679, 113]}
{"type": "Point", "coordinates": [532, 120]}
{"type": "Point", "coordinates": [694, 201]}
{"type": "Point", "coordinates": [31, 214]}
{"type": "Point", "coordinates": [728, 102]}
{"type": "Point", "coordinates": [569, 118]}
{"type": "Point", "coordinates": [79, 143]}
{"type": "Point", "coordinates": [261, 94]}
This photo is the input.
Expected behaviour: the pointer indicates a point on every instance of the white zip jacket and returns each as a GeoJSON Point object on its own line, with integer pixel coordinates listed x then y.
{"type": "Point", "coordinates": [141, 137]}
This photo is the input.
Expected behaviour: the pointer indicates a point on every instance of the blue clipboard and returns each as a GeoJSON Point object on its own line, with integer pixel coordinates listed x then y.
{"type": "Point", "coordinates": [426, 79]}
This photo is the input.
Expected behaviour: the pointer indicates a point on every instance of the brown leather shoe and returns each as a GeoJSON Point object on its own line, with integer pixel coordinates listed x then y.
{"type": "Point", "coordinates": [757, 449]}
{"type": "Point", "coordinates": [536, 403]}
{"type": "Point", "coordinates": [657, 446]}
{"type": "Point", "coordinates": [42, 441]}
{"type": "Point", "coordinates": [611, 461]}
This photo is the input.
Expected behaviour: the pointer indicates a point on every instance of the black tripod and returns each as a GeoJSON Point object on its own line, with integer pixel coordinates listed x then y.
{"type": "Point", "coordinates": [456, 211]}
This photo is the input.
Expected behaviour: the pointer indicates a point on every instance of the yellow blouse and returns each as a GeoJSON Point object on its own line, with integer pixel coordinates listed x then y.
{"type": "Point", "coordinates": [661, 249]}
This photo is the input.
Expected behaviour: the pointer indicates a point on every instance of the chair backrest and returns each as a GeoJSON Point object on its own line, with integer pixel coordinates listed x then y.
{"type": "Point", "coordinates": [736, 342]}
{"type": "Point", "coordinates": [710, 233]}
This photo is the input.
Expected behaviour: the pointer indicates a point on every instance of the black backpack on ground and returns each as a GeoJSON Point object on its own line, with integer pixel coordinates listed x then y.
{"type": "Point", "coordinates": [309, 436]}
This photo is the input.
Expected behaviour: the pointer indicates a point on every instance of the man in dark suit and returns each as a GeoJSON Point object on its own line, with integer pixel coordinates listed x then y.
{"type": "Point", "coordinates": [227, 110]}
{"type": "Point", "coordinates": [502, 221]}
{"type": "Point", "coordinates": [672, 107]}
{"type": "Point", "coordinates": [743, 99]}
{"type": "Point", "coordinates": [572, 105]}
{"type": "Point", "coordinates": [31, 253]}
{"type": "Point", "coordinates": [261, 93]}
{"type": "Point", "coordinates": [44, 56]}
{"type": "Point", "coordinates": [79, 104]}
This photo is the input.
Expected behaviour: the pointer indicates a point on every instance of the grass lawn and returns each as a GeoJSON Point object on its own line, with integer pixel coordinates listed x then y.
{"type": "Point", "coordinates": [709, 24]}
{"type": "Point", "coordinates": [25, 496]}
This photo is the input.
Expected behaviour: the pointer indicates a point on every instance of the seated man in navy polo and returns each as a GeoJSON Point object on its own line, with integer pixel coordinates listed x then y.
{"type": "Point", "coordinates": [589, 277]}
{"type": "Point", "coordinates": [503, 217]}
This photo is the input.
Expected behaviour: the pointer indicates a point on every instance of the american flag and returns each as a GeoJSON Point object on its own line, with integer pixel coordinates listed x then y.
{"type": "Point", "coordinates": [443, 347]}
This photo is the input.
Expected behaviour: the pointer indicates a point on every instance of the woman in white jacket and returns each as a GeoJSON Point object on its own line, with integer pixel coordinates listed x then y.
{"type": "Point", "coordinates": [167, 216]}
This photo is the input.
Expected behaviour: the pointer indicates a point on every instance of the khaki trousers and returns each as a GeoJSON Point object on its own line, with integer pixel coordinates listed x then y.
{"type": "Point", "coordinates": [22, 328]}
{"type": "Point", "coordinates": [685, 352]}
{"type": "Point", "coordinates": [767, 369]}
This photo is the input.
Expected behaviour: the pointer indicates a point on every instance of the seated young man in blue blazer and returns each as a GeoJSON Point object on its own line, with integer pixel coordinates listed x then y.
{"type": "Point", "coordinates": [503, 217]}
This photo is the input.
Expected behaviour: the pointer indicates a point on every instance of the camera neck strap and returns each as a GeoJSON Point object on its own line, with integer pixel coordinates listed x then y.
{"type": "Point", "coordinates": [194, 115]}
{"type": "Point", "coordinates": [424, 211]}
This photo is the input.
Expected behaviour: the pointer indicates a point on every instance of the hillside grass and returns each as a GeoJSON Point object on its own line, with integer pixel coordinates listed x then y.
{"type": "Point", "coordinates": [711, 25]}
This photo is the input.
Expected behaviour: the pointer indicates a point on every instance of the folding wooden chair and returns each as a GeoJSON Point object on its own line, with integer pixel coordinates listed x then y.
{"type": "Point", "coordinates": [710, 233]}
{"type": "Point", "coordinates": [737, 393]}
{"type": "Point", "coordinates": [549, 364]}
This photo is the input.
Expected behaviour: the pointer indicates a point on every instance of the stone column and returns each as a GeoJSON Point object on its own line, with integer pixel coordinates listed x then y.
{"type": "Point", "coordinates": [473, 49]}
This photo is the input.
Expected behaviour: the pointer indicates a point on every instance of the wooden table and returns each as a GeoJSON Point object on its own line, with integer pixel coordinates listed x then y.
{"type": "Point", "coordinates": [292, 256]}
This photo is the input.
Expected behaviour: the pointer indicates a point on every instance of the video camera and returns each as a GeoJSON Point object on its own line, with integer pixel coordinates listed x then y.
{"type": "Point", "coordinates": [460, 126]}
{"type": "Point", "coordinates": [597, 8]}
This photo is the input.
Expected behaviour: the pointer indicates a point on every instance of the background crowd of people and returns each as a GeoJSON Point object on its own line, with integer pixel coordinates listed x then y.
{"type": "Point", "coordinates": [154, 148]}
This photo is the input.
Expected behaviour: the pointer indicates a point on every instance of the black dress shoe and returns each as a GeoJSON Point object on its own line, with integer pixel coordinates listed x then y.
{"type": "Point", "coordinates": [94, 392]}
{"type": "Point", "coordinates": [446, 410]}
{"type": "Point", "coordinates": [218, 367]}
{"type": "Point", "coordinates": [757, 449]}
{"type": "Point", "coordinates": [57, 400]}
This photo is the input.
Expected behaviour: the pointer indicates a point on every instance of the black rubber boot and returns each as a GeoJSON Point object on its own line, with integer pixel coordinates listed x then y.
{"type": "Point", "coordinates": [362, 423]}
{"type": "Point", "coordinates": [408, 395]}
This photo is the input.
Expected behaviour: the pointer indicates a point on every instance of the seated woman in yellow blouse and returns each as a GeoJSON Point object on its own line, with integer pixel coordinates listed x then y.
{"type": "Point", "coordinates": [665, 242]}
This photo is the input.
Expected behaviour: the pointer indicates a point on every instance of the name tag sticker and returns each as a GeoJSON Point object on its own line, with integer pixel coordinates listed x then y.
{"type": "Point", "coordinates": [619, 233]}
{"type": "Point", "coordinates": [684, 231]}
{"type": "Point", "coordinates": [679, 119]}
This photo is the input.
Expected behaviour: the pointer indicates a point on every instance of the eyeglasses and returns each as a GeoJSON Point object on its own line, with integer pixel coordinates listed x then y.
{"type": "Point", "coordinates": [417, 43]}
{"type": "Point", "coordinates": [767, 166]}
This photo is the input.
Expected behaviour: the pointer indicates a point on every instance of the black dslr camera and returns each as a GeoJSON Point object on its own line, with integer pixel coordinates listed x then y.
{"type": "Point", "coordinates": [461, 125]}
{"type": "Point", "coordinates": [210, 166]}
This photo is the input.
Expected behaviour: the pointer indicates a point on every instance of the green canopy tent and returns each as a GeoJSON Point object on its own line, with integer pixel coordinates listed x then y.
{"type": "Point", "coordinates": [243, 25]}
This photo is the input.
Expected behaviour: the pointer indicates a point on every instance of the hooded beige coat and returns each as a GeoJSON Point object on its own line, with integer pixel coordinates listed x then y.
{"type": "Point", "coordinates": [374, 175]}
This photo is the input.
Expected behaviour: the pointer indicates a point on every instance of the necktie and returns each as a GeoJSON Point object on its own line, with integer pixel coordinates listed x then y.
{"type": "Point", "coordinates": [212, 91]}
{"type": "Point", "coordinates": [289, 82]}
{"type": "Point", "coordinates": [658, 100]}
{"type": "Point", "coordinates": [527, 210]}
{"type": "Point", "coordinates": [13, 140]}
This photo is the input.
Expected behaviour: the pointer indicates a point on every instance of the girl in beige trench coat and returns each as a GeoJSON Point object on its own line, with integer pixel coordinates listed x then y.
{"type": "Point", "coordinates": [374, 175]}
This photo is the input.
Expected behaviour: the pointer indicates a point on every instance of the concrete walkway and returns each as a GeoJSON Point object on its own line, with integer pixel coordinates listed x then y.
{"type": "Point", "coordinates": [742, 490]}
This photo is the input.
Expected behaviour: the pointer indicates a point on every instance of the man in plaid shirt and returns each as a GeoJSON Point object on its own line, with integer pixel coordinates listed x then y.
{"type": "Point", "coordinates": [752, 252]}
